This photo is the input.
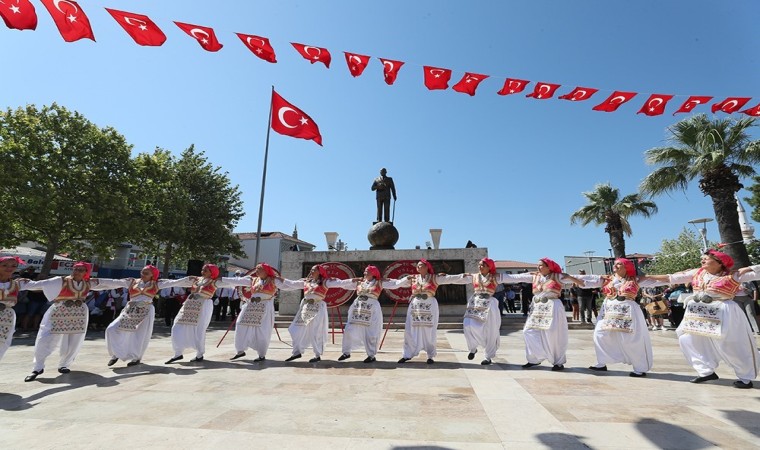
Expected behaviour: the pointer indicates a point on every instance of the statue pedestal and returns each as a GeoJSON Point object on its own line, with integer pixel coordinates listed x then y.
{"type": "Point", "coordinates": [382, 236]}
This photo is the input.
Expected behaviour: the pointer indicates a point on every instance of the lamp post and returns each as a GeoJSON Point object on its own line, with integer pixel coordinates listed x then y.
{"type": "Point", "coordinates": [702, 231]}
{"type": "Point", "coordinates": [589, 254]}
{"type": "Point", "coordinates": [331, 237]}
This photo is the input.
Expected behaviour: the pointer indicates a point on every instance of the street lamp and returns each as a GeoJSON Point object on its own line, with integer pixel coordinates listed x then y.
{"type": "Point", "coordinates": [702, 231]}
{"type": "Point", "coordinates": [590, 253]}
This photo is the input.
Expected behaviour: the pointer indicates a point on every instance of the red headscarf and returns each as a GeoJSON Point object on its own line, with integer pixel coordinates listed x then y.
{"type": "Point", "coordinates": [553, 266]}
{"type": "Point", "coordinates": [491, 265]}
{"type": "Point", "coordinates": [374, 271]}
{"type": "Point", "coordinates": [429, 266]}
{"type": "Point", "coordinates": [154, 270]}
{"type": "Point", "coordinates": [13, 258]}
{"type": "Point", "coordinates": [268, 269]}
{"type": "Point", "coordinates": [213, 269]}
{"type": "Point", "coordinates": [630, 269]}
{"type": "Point", "coordinates": [322, 271]}
{"type": "Point", "coordinates": [727, 261]}
{"type": "Point", "coordinates": [87, 269]}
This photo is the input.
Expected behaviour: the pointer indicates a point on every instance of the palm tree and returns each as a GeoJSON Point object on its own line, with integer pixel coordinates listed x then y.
{"type": "Point", "coordinates": [606, 207]}
{"type": "Point", "coordinates": [718, 153]}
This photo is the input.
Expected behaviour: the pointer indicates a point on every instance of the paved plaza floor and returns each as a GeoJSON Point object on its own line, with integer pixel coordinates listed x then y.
{"type": "Point", "coordinates": [454, 403]}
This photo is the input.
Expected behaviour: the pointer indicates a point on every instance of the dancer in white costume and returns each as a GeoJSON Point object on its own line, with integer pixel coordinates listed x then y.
{"type": "Point", "coordinates": [254, 324]}
{"type": "Point", "coordinates": [621, 334]}
{"type": "Point", "coordinates": [65, 322]}
{"type": "Point", "coordinates": [9, 289]}
{"type": "Point", "coordinates": [545, 330]}
{"type": "Point", "coordinates": [714, 328]}
{"type": "Point", "coordinates": [127, 337]}
{"type": "Point", "coordinates": [421, 328]}
{"type": "Point", "coordinates": [365, 316]}
{"type": "Point", "coordinates": [189, 329]}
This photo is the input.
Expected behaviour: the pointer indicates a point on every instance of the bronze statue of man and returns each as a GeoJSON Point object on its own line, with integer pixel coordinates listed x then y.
{"type": "Point", "coordinates": [384, 187]}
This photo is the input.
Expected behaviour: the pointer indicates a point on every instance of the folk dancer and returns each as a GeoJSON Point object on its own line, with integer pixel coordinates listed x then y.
{"type": "Point", "coordinates": [9, 289]}
{"type": "Point", "coordinates": [482, 319]}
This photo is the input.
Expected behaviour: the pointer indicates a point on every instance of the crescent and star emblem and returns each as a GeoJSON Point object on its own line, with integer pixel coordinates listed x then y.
{"type": "Point", "coordinates": [251, 38]}
{"type": "Point", "coordinates": [281, 114]}
{"type": "Point", "coordinates": [202, 39]}
{"type": "Point", "coordinates": [141, 24]}
{"type": "Point", "coordinates": [620, 99]}
{"type": "Point", "coordinates": [438, 74]}
{"type": "Point", "coordinates": [579, 94]}
{"type": "Point", "coordinates": [733, 104]}
{"type": "Point", "coordinates": [541, 90]}
{"type": "Point", "coordinates": [691, 104]}
{"type": "Point", "coordinates": [306, 50]}
{"type": "Point", "coordinates": [57, 5]}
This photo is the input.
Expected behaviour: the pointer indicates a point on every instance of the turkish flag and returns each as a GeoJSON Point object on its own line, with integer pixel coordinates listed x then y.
{"type": "Point", "coordinates": [291, 121]}
{"type": "Point", "coordinates": [754, 111]}
{"type": "Point", "coordinates": [655, 105]}
{"type": "Point", "coordinates": [356, 63]}
{"type": "Point", "coordinates": [140, 28]}
{"type": "Point", "coordinates": [436, 78]}
{"type": "Point", "coordinates": [692, 102]}
{"type": "Point", "coordinates": [260, 46]}
{"type": "Point", "coordinates": [204, 35]}
{"type": "Point", "coordinates": [542, 91]}
{"type": "Point", "coordinates": [578, 94]}
{"type": "Point", "coordinates": [730, 105]}
{"type": "Point", "coordinates": [18, 14]}
{"type": "Point", "coordinates": [313, 54]}
{"type": "Point", "coordinates": [614, 101]}
{"type": "Point", "coordinates": [513, 86]}
{"type": "Point", "coordinates": [390, 70]}
{"type": "Point", "coordinates": [469, 83]}
{"type": "Point", "coordinates": [71, 21]}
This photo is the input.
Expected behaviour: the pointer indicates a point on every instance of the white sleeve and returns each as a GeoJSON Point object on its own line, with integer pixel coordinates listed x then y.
{"type": "Point", "coordinates": [590, 281]}
{"type": "Point", "coordinates": [104, 284]}
{"type": "Point", "coordinates": [682, 277]}
{"type": "Point", "coordinates": [291, 285]}
{"type": "Point", "coordinates": [511, 278]}
{"type": "Point", "coordinates": [182, 282]}
{"type": "Point", "coordinates": [464, 278]}
{"type": "Point", "coordinates": [50, 287]}
{"type": "Point", "coordinates": [349, 284]}
{"type": "Point", "coordinates": [645, 282]}
{"type": "Point", "coordinates": [227, 282]}
{"type": "Point", "coordinates": [398, 283]}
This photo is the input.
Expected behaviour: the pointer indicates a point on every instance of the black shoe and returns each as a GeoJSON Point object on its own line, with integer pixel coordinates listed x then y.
{"type": "Point", "coordinates": [558, 367]}
{"type": "Point", "coordinates": [430, 361]}
{"type": "Point", "coordinates": [64, 370]}
{"type": "Point", "coordinates": [637, 375]}
{"type": "Point", "coordinates": [34, 375]}
{"type": "Point", "coordinates": [471, 355]}
{"type": "Point", "coordinates": [197, 359]}
{"type": "Point", "coordinates": [174, 358]}
{"type": "Point", "coordinates": [133, 363]}
{"type": "Point", "coordinates": [598, 369]}
{"type": "Point", "coordinates": [259, 359]}
{"type": "Point", "coordinates": [315, 359]}
{"type": "Point", "coordinates": [293, 357]}
{"type": "Point", "coordinates": [238, 356]}
{"type": "Point", "coordinates": [529, 365]}
{"type": "Point", "coordinates": [403, 360]}
{"type": "Point", "coordinates": [485, 362]}
{"type": "Point", "coordinates": [343, 357]}
{"type": "Point", "coordinates": [742, 385]}
{"type": "Point", "coordinates": [369, 359]}
{"type": "Point", "coordinates": [712, 376]}
{"type": "Point", "coordinates": [112, 361]}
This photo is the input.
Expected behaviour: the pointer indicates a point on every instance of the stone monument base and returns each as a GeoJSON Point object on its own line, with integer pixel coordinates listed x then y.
{"type": "Point", "coordinates": [382, 236]}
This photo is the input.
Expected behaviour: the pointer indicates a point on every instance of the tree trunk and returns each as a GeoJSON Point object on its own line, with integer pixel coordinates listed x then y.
{"type": "Point", "coordinates": [727, 216]}
{"type": "Point", "coordinates": [167, 260]}
{"type": "Point", "coordinates": [617, 242]}
{"type": "Point", "coordinates": [52, 247]}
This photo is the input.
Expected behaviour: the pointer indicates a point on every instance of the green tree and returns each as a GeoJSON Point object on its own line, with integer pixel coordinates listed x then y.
{"type": "Point", "coordinates": [717, 152]}
{"type": "Point", "coordinates": [66, 181]}
{"type": "Point", "coordinates": [676, 255]}
{"type": "Point", "coordinates": [190, 208]}
{"type": "Point", "coordinates": [606, 207]}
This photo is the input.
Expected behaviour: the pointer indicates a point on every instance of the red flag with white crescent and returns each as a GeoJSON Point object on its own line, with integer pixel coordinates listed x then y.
{"type": "Point", "coordinates": [579, 94]}
{"type": "Point", "coordinates": [469, 83]}
{"type": "Point", "coordinates": [204, 35]}
{"type": "Point", "coordinates": [542, 91]}
{"type": "Point", "coordinates": [614, 101]}
{"type": "Point", "coordinates": [513, 86]}
{"type": "Point", "coordinates": [313, 54]}
{"type": "Point", "coordinates": [259, 46]}
{"type": "Point", "coordinates": [730, 105]}
{"type": "Point", "coordinates": [436, 77]}
{"type": "Point", "coordinates": [356, 63]}
{"type": "Point", "coordinates": [289, 120]}
{"type": "Point", "coordinates": [754, 111]}
{"type": "Point", "coordinates": [692, 103]}
{"type": "Point", "coordinates": [18, 14]}
{"type": "Point", "coordinates": [139, 27]}
{"type": "Point", "coordinates": [390, 70]}
{"type": "Point", "coordinates": [655, 105]}
{"type": "Point", "coordinates": [70, 19]}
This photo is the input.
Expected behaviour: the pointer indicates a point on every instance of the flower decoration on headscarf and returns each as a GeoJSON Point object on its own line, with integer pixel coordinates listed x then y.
{"type": "Point", "coordinates": [630, 269]}
{"type": "Point", "coordinates": [724, 259]}
{"type": "Point", "coordinates": [491, 265]}
{"type": "Point", "coordinates": [213, 269]}
{"type": "Point", "coordinates": [552, 265]}
{"type": "Point", "coordinates": [374, 271]}
{"type": "Point", "coordinates": [20, 261]}
{"type": "Point", "coordinates": [268, 269]}
{"type": "Point", "coordinates": [87, 269]}
{"type": "Point", "coordinates": [429, 266]}
{"type": "Point", "coordinates": [153, 270]}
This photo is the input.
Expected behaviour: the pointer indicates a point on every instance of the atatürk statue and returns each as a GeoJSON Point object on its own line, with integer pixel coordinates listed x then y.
{"type": "Point", "coordinates": [384, 187]}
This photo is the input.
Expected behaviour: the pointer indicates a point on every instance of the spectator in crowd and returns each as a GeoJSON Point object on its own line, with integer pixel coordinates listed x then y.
{"type": "Point", "coordinates": [526, 295]}
{"type": "Point", "coordinates": [747, 301]}
{"type": "Point", "coordinates": [220, 309]}
{"type": "Point", "coordinates": [586, 301]}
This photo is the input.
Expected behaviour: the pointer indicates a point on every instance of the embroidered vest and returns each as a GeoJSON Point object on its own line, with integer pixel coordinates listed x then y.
{"type": "Point", "coordinates": [428, 288]}
{"type": "Point", "coordinates": [724, 287]}
{"type": "Point", "coordinates": [489, 287]}
{"type": "Point", "coordinates": [68, 292]}
{"type": "Point", "coordinates": [551, 284]}
{"type": "Point", "coordinates": [11, 294]}
{"type": "Point", "coordinates": [149, 290]}
{"type": "Point", "coordinates": [315, 290]}
{"type": "Point", "coordinates": [370, 290]}
{"type": "Point", "coordinates": [264, 287]}
{"type": "Point", "coordinates": [206, 291]}
{"type": "Point", "coordinates": [629, 288]}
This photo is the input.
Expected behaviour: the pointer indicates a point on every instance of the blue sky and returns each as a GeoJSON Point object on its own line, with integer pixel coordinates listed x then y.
{"type": "Point", "coordinates": [504, 172]}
